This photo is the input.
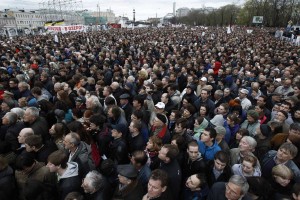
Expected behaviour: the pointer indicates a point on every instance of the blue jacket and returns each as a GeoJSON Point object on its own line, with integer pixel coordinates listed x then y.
{"type": "Point", "coordinates": [208, 153]}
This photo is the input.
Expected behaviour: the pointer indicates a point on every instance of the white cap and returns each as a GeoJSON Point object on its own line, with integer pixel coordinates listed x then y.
{"type": "Point", "coordinates": [203, 79]}
{"type": "Point", "coordinates": [160, 105]}
{"type": "Point", "coordinates": [244, 91]}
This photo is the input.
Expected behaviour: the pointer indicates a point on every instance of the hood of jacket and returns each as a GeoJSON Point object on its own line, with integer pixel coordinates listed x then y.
{"type": "Point", "coordinates": [72, 170]}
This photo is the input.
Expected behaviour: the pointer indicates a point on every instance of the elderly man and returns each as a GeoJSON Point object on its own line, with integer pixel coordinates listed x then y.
{"type": "Point", "coordinates": [80, 152]}
{"type": "Point", "coordinates": [246, 147]}
{"type": "Point", "coordinates": [245, 102]}
{"type": "Point", "coordinates": [38, 124]}
{"type": "Point", "coordinates": [235, 189]}
{"type": "Point", "coordinates": [95, 186]}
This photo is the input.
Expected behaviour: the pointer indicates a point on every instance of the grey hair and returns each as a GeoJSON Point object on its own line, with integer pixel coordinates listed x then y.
{"type": "Point", "coordinates": [95, 180]}
{"type": "Point", "coordinates": [251, 141]}
{"type": "Point", "coordinates": [34, 112]}
{"type": "Point", "coordinates": [240, 181]}
{"type": "Point", "coordinates": [24, 84]}
{"type": "Point", "coordinates": [19, 111]}
{"type": "Point", "coordinates": [75, 138]}
{"type": "Point", "coordinates": [12, 117]}
{"type": "Point", "coordinates": [131, 78]}
{"type": "Point", "coordinates": [220, 93]}
{"type": "Point", "coordinates": [94, 100]}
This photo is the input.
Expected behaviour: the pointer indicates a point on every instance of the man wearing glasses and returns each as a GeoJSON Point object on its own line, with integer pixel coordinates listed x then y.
{"type": "Point", "coordinates": [235, 189]}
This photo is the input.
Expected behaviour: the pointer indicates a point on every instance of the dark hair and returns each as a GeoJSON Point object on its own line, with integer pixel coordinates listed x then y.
{"type": "Point", "coordinates": [182, 122]}
{"type": "Point", "coordinates": [37, 91]}
{"type": "Point", "coordinates": [296, 189]}
{"type": "Point", "coordinates": [222, 156]}
{"type": "Point", "coordinates": [172, 151]}
{"type": "Point", "coordinates": [203, 180]}
{"type": "Point", "coordinates": [139, 99]}
{"type": "Point", "coordinates": [180, 141]}
{"type": "Point", "coordinates": [160, 175]}
{"type": "Point", "coordinates": [34, 140]}
{"type": "Point", "coordinates": [212, 132]}
{"type": "Point", "coordinates": [138, 113]}
{"type": "Point", "coordinates": [58, 157]}
{"type": "Point", "coordinates": [24, 160]}
{"type": "Point", "coordinates": [74, 196]}
{"type": "Point", "coordinates": [97, 119]}
{"type": "Point", "coordinates": [140, 157]}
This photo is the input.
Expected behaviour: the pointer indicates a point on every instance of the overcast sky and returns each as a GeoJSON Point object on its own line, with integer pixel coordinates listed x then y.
{"type": "Point", "coordinates": [143, 8]}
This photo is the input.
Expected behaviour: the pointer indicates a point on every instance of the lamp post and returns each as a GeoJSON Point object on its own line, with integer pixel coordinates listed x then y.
{"type": "Point", "coordinates": [133, 18]}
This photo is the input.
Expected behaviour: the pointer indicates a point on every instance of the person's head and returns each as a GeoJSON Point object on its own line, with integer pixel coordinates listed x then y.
{"type": "Point", "coordinates": [188, 111]}
{"type": "Point", "coordinates": [138, 102]}
{"type": "Point", "coordinates": [282, 174]}
{"type": "Point", "coordinates": [25, 162]}
{"type": "Point", "coordinates": [154, 143]}
{"type": "Point", "coordinates": [193, 150]}
{"type": "Point", "coordinates": [127, 174]}
{"type": "Point", "coordinates": [135, 127]}
{"type": "Point", "coordinates": [24, 133]}
{"type": "Point", "coordinates": [139, 159]}
{"type": "Point", "coordinates": [281, 116]}
{"type": "Point", "coordinates": [236, 187]}
{"type": "Point", "coordinates": [248, 164]}
{"type": "Point", "coordinates": [74, 196]}
{"type": "Point", "coordinates": [287, 151]}
{"type": "Point", "coordinates": [9, 119]}
{"type": "Point", "coordinates": [72, 141]}
{"type": "Point", "coordinates": [221, 160]}
{"type": "Point", "coordinates": [258, 187]}
{"type": "Point", "coordinates": [204, 94]}
{"type": "Point", "coordinates": [196, 182]}
{"type": "Point", "coordinates": [285, 106]}
{"type": "Point", "coordinates": [31, 114]}
{"type": "Point", "coordinates": [208, 135]}
{"type": "Point", "coordinates": [118, 130]}
{"type": "Point", "coordinates": [223, 108]}
{"type": "Point", "coordinates": [241, 133]}
{"type": "Point", "coordinates": [180, 126]}
{"type": "Point", "coordinates": [203, 110]}
{"type": "Point", "coordinates": [165, 98]}
{"type": "Point", "coordinates": [93, 182]}
{"type": "Point", "coordinates": [6, 105]}
{"type": "Point", "coordinates": [247, 144]}
{"type": "Point", "coordinates": [157, 184]}
{"type": "Point", "coordinates": [114, 112]}
{"type": "Point", "coordinates": [243, 93]}
{"type": "Point", "coordinates": [175, 114]}
{"type": "Point", "coordinates": [296, 191]}
{"type": "Point", "coordinates": [168, 153]}
{"type": "Point", "coordinates": [160, 120]}
{"type": "Point", "coordinates": [252, 116]}
{"type": "Point", "coordinates": [33, 143]}
{"type": "Point", "coordinates": [262, 100]}
{"type": "Point", "coordinates": [96, 121]}
{"type": "Point", "coordinates": [57, 160]}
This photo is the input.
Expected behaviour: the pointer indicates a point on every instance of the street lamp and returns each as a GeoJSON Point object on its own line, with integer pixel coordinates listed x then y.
{"type": "Point", "coordinates": [133, 17]}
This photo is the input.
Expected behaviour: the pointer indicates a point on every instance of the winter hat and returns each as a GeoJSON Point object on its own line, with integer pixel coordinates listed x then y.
{"type": "Point", "coordinates": [253, 114]}
{"type": "Point", "coordinates": [162, 118]}
{"type": "Point", "coordinates": [218, 120]}
{"type": "Point", "coordinates": [265, 130]}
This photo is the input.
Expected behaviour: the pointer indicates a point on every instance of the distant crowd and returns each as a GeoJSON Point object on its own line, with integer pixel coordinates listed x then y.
{"type": "Point", "coordinates": [150, 113]}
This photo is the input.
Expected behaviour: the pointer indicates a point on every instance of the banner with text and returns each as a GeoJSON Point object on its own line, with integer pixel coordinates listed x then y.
{"type": "Point", "coordinates": [65, 29]}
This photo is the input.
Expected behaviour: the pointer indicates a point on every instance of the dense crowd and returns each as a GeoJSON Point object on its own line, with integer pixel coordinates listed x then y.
{"type": "Point", "coordinates": [157, 113]}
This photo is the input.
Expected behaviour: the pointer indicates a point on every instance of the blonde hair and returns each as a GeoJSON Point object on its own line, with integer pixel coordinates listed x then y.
{"type": "Point", "coordinates": [282, 171]}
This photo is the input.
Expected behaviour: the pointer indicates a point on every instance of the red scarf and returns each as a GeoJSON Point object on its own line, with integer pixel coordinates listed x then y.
{"type": "Point", "coordinates": [162, 132]}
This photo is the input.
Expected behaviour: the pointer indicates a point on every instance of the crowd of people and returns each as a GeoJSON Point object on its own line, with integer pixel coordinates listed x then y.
{"type": "Point", "coordinates": [151, 113]}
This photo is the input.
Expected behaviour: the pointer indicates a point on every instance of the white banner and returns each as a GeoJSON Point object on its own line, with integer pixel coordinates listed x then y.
{"type": "Point", "coordinates": [65, 29]}
{"type": "Point", "coordinates": [257, 19]}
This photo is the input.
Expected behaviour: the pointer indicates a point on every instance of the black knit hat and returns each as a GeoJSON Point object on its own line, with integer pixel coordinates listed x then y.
{"type": "Point", "coordinates": [265, 130]}
{"type": "Point", "coordinates": [161, 117]}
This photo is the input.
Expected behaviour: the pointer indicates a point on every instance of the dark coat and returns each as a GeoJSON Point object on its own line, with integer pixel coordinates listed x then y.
{"type": "Point", "coordinates": [12, 134]}
{"type": "Point", "coordinates": [40, 127]}
{"type": "Point", "coordinates": [174, 174]}
{"type": "Point", "coordinates": [7, 184]}
{"type": "Point", "coordinates": [133, 191]}
{"type": "Point", "coordinates": [43, 153]}
{"type": "Point", "coordinates": [224, 177]}
{"type": "Point", "coordinates": [217, 192]}
{"type": "Point", "coordinates": [192, 167]}
{"type": "Point", "coordinates": [136, 143]}
{"type": "Point", "coordinates": [118, 151]}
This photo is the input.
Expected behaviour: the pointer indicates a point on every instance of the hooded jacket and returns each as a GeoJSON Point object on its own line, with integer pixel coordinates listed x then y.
{"type": "Point", "coordinates": [208, 153]}
{"type": "Point", "coordinates": [69, 181]}
{"type": "Point", "coordinates": [83, 157]}
{"type": "Point", "coordinates": [198, 130]}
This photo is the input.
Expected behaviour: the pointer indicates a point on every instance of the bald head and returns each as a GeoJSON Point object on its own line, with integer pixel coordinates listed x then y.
{"type": "Point", "coordinates": [24, 133]}
{"type": "Point", "coordinates": [114, 85]}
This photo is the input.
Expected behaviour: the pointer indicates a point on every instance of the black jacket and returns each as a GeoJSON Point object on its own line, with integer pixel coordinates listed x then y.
{"type": "Point", "coordinates": [174, 174]}
{"type": "Point", "coordinates": [118, 151]}
{"type": "Point", "coordinates": [7, 184]}
{"type": "Point", "coordinates": [224, 177]}
{"type": "Point", "coordinates": [136, 143]}
{"type": "Point", "coordinates": [40, 127]}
